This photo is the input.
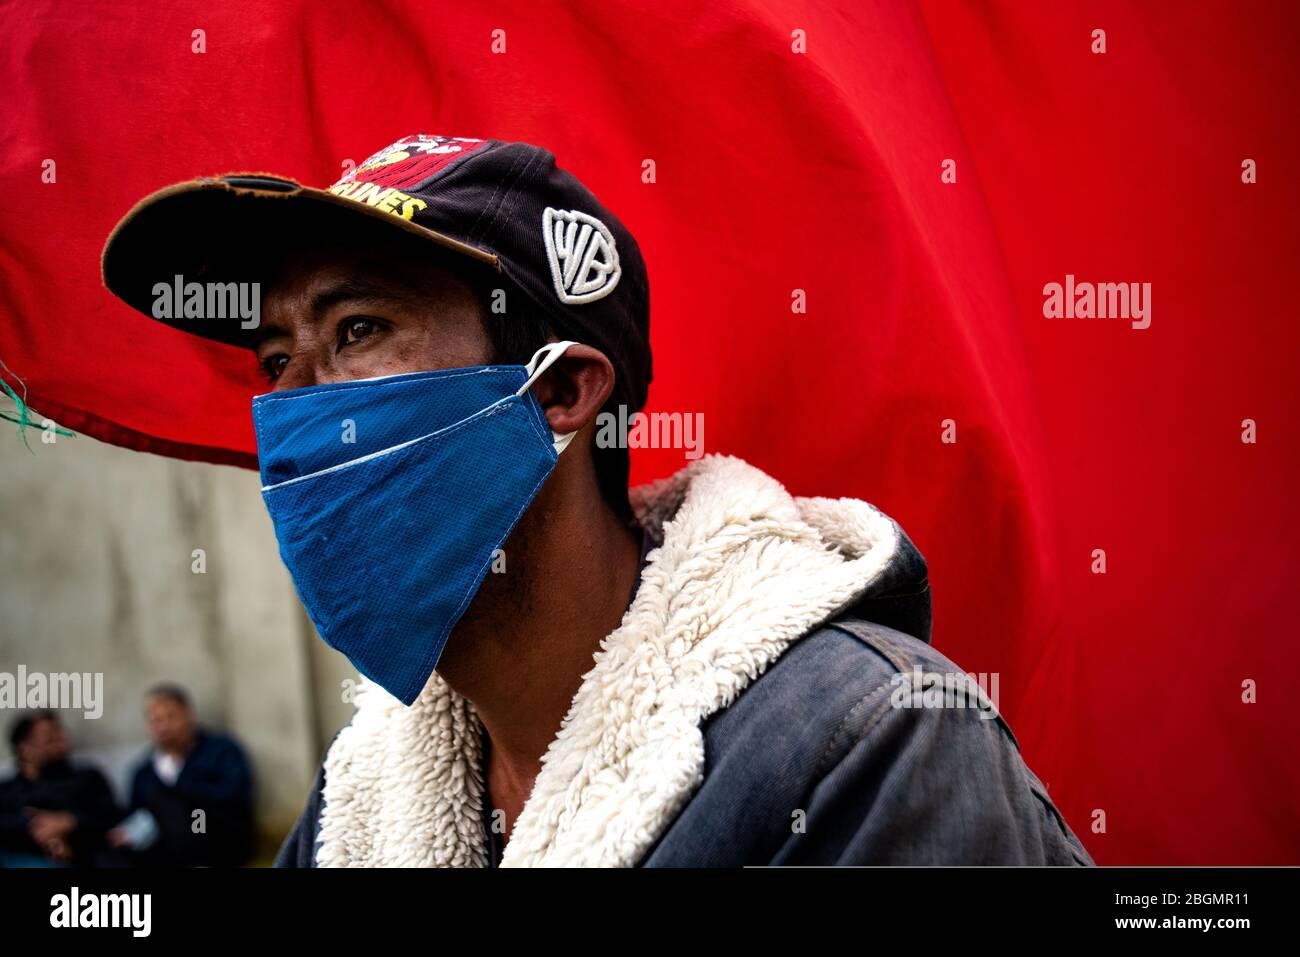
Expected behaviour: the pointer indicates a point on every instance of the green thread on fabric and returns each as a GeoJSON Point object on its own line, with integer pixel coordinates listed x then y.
{"type": "Point", "coordinates": [24, 417]}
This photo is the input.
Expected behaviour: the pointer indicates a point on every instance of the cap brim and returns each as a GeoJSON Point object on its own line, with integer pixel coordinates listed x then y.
{"type": "Point", "coordinates": [216, 230]}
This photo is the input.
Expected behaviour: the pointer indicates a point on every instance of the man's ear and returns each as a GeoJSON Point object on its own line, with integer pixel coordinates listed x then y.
{"type": "Point", "coordinates": [574, 388]}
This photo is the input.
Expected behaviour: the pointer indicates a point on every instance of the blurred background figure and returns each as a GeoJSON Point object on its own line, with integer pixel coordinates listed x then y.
{"type": "Point", "coordinates": [191, 795]}
{"type": "Point", "coordinates": [51, 813]}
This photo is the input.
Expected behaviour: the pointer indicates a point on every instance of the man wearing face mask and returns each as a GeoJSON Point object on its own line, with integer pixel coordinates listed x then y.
{"type": "Point", "coordinates": [706, 671]}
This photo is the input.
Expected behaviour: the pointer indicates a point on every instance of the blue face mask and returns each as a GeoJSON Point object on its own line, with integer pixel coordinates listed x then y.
{"type": "Point", "coordinates": [391, 496]}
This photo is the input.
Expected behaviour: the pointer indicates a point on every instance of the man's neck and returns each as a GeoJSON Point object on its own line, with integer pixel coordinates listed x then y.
{"type": "Point", "coordinates": [181, 749]}
{"type": "Point", "coordinates": [520, 652]}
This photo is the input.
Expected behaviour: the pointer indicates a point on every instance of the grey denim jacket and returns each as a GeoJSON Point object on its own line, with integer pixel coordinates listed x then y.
{"type": "Point", "coordinates": [816, 761]}
{"type": "Point", "coordinates": [814, 765]}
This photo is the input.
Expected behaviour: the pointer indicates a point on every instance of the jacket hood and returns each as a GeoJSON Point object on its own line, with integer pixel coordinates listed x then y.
{"type": "Point", "coordinates": [740, 571]}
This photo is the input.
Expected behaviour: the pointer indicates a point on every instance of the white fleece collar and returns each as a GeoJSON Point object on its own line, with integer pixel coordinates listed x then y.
{"type": "Point", "coordinates": [743, 571]}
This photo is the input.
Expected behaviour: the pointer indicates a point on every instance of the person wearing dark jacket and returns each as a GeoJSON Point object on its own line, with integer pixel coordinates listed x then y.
{"type": "Point", "coordinates": [455, 337]}
{"type": "Point", "coordinates": [52, 813]}
{"type": "Point", "coordinates": [829, 755]}
{"type": "Point", "coordinates": [194, 786]}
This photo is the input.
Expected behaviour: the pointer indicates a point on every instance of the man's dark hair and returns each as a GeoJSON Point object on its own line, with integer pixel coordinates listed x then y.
{"type": "Point", "coordinates": [168, 690]}
{"type": "Point", "coordinates": [516, 334]}
{"type": "Point", "coordinates": [22, 729]}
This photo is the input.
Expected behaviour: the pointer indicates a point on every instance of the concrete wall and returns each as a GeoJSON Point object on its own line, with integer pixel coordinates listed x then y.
{"type": "Point", "coordinates": [97, 575]}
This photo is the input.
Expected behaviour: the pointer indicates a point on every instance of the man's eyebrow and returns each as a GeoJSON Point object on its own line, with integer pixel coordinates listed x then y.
{"type": "Point", "coordinates": [359, 288]}
{"type": "Point", "coordinates": [349, 289]}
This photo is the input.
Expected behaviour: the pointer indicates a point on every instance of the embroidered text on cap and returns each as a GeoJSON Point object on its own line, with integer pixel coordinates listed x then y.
{"type": "Point", "coordinates": [584, 262]}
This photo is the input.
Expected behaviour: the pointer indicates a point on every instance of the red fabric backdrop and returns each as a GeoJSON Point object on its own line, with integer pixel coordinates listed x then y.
{"type": "Point", "coordinates": [820, 171]}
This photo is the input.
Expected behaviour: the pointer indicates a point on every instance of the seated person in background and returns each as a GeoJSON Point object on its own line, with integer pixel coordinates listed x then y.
{"type": "Point", "coordinates": [50, 812]}
{"type": "Point", "coordinates": [191, 796]}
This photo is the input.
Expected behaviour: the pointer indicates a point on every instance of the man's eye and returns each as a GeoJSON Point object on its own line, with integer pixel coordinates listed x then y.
{"type": "Point", "coordinates": [274, 365]}
{"type": "Point", "coordinates": [356, 329]}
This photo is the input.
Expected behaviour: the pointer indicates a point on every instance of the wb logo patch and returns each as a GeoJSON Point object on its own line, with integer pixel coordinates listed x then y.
{"type": "Point", "coordinates": [584, 262]}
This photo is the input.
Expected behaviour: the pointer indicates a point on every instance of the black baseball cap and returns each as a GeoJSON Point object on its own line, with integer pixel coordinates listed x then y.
{"type": "Point", "coordinates": [505, 207]}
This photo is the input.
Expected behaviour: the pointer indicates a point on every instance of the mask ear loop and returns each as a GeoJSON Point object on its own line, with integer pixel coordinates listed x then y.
{"type": "Point", "coordinates": [542, 360]}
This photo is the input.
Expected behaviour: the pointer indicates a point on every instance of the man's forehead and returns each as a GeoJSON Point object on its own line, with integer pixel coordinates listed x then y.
{"type": "Point", "coordinates": [363, 272]}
